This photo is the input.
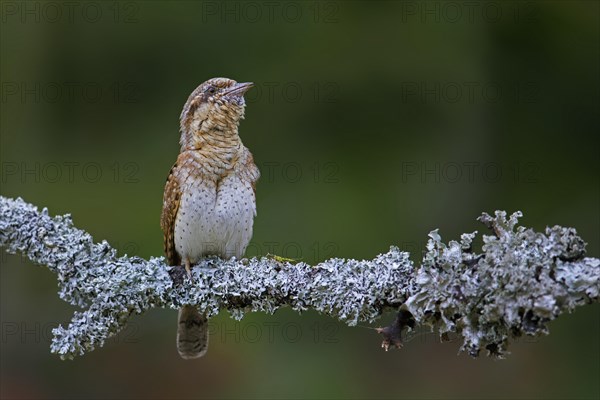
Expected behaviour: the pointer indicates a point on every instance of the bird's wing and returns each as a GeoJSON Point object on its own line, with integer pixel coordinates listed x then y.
{"type": "Point", "coordinates": [171, 199]}
{"type": "Point", "coordinates": [248, 170]}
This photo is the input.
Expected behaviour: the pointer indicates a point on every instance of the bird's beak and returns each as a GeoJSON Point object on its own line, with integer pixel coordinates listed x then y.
{"type": "Point", "coordinates": [239, 89]}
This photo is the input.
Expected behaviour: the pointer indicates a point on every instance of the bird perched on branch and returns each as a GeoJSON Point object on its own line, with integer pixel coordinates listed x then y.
{"type": "Point", "coordinates": [209, 200]}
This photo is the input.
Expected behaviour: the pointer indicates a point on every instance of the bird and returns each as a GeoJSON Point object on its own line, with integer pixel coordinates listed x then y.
{"type": "Point", "coordinates": [209, 201]}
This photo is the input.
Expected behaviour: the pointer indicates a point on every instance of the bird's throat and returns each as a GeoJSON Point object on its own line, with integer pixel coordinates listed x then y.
{"type": "Point", "coordinates": [218, 137]}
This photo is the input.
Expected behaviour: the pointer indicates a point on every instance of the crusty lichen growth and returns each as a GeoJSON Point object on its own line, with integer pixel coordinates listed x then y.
{"type": "Point", "coordinates": [522, 280]}
{"type": "Point", "coordinates": [113, 288]}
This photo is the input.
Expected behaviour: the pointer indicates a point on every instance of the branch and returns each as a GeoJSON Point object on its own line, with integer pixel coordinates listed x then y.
{"type": "Point", "coordinates": [520, 281]}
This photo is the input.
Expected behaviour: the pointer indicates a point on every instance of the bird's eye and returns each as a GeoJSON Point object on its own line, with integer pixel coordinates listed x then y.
{"type": "Point", "coordinates": [211, 90]}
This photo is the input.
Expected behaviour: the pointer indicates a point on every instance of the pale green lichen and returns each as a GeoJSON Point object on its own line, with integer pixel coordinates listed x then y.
{"type": "Point", "coordinates": [521, 280]}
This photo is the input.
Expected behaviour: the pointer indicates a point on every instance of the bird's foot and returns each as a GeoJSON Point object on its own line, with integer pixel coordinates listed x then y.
{"type": "Point", "coordinates": [177, 273]}
{"type": "Point", "coordinates": [188, 270]}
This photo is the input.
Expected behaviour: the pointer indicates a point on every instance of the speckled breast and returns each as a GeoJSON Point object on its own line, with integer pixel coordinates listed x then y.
{"type": "Point", "coordinates": [215, 218]}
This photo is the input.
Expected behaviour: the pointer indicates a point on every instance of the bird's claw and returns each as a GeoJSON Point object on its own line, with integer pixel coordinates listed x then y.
{"type": "Point", "coordinates": [177, 273]}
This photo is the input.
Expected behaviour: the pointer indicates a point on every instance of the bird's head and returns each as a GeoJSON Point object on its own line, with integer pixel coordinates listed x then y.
{"type": "Point", "coordinates": [214, 109]}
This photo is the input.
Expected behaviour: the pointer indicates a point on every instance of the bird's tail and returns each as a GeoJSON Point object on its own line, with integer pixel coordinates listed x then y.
{"type": "Point", "coordinates": [192, 333]}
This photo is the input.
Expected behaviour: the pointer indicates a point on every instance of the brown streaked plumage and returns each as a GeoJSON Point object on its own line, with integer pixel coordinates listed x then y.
{"type": "Point", "coordinates": [171, 198]}
{"type": "Point", "coordinates": [209, 199]}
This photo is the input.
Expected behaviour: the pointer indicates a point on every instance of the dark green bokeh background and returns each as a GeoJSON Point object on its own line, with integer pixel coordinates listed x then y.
{"type": "Point", "coordinates": [351, 133]}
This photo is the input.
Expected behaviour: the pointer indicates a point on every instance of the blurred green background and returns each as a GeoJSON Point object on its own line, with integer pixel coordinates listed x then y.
{"type": "Point", "coordinates": [372, 123]}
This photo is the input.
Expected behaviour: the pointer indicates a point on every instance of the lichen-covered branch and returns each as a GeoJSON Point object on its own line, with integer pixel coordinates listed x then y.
{"type": "Point", "coordinates": [519, 282]}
